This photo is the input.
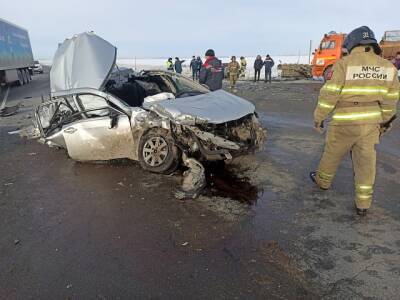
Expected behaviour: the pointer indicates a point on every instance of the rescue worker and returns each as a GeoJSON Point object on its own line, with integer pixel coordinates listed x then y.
{"type": "Point", "coordinates": [212, 73]}
{"type": "Point", "coordinates": [193, 67]}
{"type": "Point", "coordinates": [170, 64]}
{"type": "Point", "coordinates": [233, 72]}
{"type": "Point", "coordinates": [243, 66]}
{"type": "Point", "coordinates": [268, 64]}
{"type": "Point", "coordinates": [396, 62]}
{"type": "Point", "coordinates": [361, 92]}
{"type": "Point", "coordinates": [258, 64]}
{"type": "Point", "coordinates": [199, 63]}
{"type": "Point", "coordinates": [178, 65]}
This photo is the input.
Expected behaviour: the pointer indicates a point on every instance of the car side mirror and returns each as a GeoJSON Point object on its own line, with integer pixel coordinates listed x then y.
{"type": "Point", "coordinates": [113, 119]}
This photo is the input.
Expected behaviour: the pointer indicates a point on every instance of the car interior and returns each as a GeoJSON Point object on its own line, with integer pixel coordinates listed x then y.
{"type": "Point", "coordinates": [137, 88]}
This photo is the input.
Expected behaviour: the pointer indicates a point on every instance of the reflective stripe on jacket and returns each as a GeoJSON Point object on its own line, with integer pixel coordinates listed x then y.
{"type": "Point", "coordinates": [363, 89]}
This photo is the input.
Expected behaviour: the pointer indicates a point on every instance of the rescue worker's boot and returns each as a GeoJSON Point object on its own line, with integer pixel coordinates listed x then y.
{"type": "Point", "coordinates": [313, 177]}
{"type": "Point", "coordinates": [361, 211]}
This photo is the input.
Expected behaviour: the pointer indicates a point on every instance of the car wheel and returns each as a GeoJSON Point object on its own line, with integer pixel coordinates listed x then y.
{"type": "Point", "coordinates": [327, 73]}
{"type": "Point", "coordinates": [158, 152]}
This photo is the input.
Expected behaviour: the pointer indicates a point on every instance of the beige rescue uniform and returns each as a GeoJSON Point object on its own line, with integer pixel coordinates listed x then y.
{"type": "Point", "coordinates": [361, 94]}
{"type": "Point", "coordinates": [233, 71]}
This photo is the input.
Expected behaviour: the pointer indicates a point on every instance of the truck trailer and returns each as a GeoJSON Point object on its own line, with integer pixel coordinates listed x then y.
{"type": "Point", "coordinates": [16, 56]}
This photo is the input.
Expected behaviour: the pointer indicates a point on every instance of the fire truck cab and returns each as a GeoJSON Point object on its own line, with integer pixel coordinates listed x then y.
{"type": "Point", "coordinates": [329, 51]}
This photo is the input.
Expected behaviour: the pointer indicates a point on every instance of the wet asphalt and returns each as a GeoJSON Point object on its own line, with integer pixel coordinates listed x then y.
{"type": "Point", "coordinates": [114, 231]}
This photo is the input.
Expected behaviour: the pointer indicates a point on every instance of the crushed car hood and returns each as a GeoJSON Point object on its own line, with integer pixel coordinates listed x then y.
{"type": "Point", "coordinates": [84, 61]}
{"type": "Point", "coordinates": [215, 107]}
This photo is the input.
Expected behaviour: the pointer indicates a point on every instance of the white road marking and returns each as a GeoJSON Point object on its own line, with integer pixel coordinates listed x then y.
{"type": "Point", "coordinates": [5, 98]}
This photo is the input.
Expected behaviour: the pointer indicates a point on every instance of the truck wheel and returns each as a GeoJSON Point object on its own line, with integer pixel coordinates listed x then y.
{"type": "Point", "coordinates": [20, 78]}
{"type": "Point", "coordinates": [28, 75]}
{"type": "Point", "coordinates": [157, 152]}
{"type": "Point", "coordinates": [327, 72]}
{"type": "Point", "coordinates": [25, 76]}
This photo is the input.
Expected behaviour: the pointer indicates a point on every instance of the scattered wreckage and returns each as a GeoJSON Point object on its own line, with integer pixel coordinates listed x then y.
{"type": "Point", "coordinates": [155, 117]}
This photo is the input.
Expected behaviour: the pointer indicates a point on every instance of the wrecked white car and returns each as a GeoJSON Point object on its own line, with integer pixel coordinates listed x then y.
{"type": "Point", "coordinates": [157, 118]}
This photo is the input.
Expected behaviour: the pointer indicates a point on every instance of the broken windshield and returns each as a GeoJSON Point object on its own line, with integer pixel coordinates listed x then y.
{"type": "Point", "coordinates": [184, 85]}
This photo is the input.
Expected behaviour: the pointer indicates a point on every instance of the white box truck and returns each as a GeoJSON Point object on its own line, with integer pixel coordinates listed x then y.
{"type": "Point", "coordinates": [16, 56]}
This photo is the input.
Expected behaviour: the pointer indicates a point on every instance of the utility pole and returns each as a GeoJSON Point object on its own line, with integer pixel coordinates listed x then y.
{"type": "Point", "coordinates": [309, 53]}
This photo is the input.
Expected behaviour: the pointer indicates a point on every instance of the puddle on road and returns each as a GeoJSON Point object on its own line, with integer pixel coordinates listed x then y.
{"type": "Point", "coordinates": [224, 182]}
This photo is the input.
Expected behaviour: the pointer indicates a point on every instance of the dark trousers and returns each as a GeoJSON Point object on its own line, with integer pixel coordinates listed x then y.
{"type": "Point", "coordinates": [195, 74]}
{"type": "Point", "coordinates": [268, 76]}
{"type": "Point", "coordinates": [257, 75]}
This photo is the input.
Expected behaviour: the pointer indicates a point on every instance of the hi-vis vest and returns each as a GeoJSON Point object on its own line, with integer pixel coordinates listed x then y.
{"type": "Point", "coordinates": [363, 89]}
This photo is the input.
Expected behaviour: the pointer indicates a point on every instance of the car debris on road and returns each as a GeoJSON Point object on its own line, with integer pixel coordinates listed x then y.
{"type": "Point", "coordinates": [9, 110]}
{"type": "Point", "coordinates": [158, 118]}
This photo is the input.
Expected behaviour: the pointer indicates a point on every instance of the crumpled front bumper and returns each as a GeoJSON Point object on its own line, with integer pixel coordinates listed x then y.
{"type": "Point", "coordinates": [242, 139]}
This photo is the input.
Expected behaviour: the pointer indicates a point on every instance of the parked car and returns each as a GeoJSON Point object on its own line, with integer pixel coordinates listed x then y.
{"type": "Point", "coordinates": [154, 117]}
{"type": "Point", "coordinates": [37, 67]}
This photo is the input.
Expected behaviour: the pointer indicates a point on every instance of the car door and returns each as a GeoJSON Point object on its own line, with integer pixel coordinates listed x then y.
{"type": "Point", "coordinates": [103, 133]}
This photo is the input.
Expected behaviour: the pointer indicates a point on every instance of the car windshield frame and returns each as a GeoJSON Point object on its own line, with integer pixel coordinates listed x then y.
{"type": "Point", "coordinates": [184, 84]}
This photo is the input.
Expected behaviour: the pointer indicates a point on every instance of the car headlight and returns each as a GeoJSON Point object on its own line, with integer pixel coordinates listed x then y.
{"type": "Point", "coordinates": [320, 62]}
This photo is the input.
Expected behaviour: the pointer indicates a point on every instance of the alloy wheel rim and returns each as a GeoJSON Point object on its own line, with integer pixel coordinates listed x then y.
{"type": "Point", "coordinates": [155, 151]}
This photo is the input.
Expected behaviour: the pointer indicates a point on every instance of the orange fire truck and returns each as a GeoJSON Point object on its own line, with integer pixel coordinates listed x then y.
{"type": "Point", "coordinates": [330, 50]}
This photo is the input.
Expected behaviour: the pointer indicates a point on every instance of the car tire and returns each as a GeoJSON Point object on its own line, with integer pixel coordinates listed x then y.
{"type": "Point", "coordinates": [326, 73]}
{"type": "Point", "coordinates": [158, 152]}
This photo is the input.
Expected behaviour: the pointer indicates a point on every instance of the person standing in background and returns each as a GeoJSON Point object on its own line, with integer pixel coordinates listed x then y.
{"type": "Point", "coordinates": [170, 65]}
{"type": "Point", "coordinates": [193, 67]}
{"type": "Point", "coordinates": [199, 63]}
{"type": "Point", "coordinates": [396, 62]}
{"type": "Point", "coordinates": [268, 64]}
{"type": "Point", "coordinates": [212, 71]}
{"type": "Point", "coordinates": [178, 65]}
{"type": "Point", "coordinates": [258, 64]}
{"type": "Point", "coordinates": [243, 66]}
{"type": "Point", "coordinates": [233, 72]}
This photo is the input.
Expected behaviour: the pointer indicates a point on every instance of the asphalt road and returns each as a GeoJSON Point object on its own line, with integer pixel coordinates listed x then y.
{"type": "Point", "coordinates": [113, 231]}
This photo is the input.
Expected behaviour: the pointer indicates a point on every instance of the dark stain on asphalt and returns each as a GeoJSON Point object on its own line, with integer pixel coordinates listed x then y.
{"type": "Point", "coordinates": [224, 182]}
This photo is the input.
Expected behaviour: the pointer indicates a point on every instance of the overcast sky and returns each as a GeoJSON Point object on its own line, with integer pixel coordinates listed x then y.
{"type": "Point", "coordinates": [162, 28]}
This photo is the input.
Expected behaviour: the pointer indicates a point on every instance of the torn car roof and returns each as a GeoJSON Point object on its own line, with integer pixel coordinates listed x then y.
{"type": "Point", "coordinates": [215, 107]}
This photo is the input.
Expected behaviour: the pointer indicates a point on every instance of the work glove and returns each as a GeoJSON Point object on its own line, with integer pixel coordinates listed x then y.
{"type": "Point", "coordinates": [387, 126]}
{"type": "Point", "coordinates": [319, 126]}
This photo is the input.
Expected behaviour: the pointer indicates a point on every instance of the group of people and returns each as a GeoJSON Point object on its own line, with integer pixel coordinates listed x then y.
{"type": "Point", "coordinates": [177, 66]}
{"type": "Point", "coordinates": [259, 63]}
{"type": "Point", "coordinates": [236, 69]}
{"type": "Point", "coordinates": [211, 73]}
{"type": "Point", "coordinates": [195, 66]}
